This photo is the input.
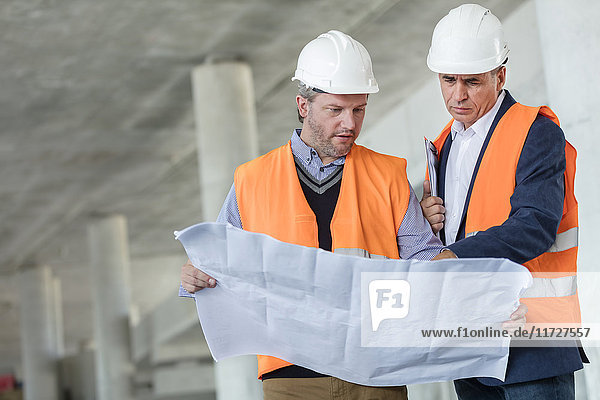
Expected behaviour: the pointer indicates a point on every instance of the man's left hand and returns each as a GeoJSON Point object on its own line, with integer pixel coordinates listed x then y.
{"type": "Point", "coordinates": [444, 255]}
{"type": "Point", "coordinates": [517, 319]}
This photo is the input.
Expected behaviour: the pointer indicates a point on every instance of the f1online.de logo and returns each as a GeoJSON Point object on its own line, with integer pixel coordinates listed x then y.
{"type": "Point", "coordinates": [389, 299]}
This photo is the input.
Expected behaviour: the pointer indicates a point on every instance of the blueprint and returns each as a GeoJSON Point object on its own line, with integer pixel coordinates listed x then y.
{"type": "Point", "coordinates": [361, 320]}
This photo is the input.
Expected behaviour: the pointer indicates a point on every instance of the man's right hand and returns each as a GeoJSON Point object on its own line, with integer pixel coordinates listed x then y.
{"type": "Point", "coordinates": [193, 280]}
{"type": "Point", "coordinates": [433, 208]}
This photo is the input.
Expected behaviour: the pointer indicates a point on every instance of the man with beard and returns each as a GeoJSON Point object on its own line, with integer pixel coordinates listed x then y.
{"type": "Point", "coordinates": [322, 190]}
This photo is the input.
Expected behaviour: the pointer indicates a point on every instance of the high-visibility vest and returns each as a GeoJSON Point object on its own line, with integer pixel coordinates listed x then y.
{"type": "Point", "coordinates": [553, 297]}
{"type": "Point", "coordinates": [373, 199]}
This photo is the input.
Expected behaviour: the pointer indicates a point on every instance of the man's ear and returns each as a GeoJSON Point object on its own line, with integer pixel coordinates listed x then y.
{"type": "Point", "coordinates": [302, 106]}
{"type": "Point", "coordinates": [500, 79]}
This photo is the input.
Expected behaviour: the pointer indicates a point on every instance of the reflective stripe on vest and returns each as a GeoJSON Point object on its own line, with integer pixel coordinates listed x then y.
{"type": "Point", "coordinates": [359, 253]}
{"type": "Point", "coordinates": [564, 241]}
{"type": "Point", "coordinates": [552, 287]}
{"type": "Point", "coordinates": [271, 201]}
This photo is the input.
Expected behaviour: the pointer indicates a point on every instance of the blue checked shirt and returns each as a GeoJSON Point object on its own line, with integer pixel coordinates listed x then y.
{"type": "Point", "coordinates": [415, 238]}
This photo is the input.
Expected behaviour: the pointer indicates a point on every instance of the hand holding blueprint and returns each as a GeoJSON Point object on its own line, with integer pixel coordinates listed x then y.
{"type": "Point", "coordinates": [358, 319]}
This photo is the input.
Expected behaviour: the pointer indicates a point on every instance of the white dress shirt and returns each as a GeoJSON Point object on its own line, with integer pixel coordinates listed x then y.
{"type": "Point", "coordinates": [465, 149]}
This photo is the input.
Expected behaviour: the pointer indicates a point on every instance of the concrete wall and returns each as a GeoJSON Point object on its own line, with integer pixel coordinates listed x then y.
{"type": "Point", "coordinates": [569, 35]}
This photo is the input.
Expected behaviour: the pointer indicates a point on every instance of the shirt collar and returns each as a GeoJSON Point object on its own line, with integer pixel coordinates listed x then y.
{"type": "Point", "coordinates": [306, 153]}
{"type": "Point", "coordinates": [483, 124]}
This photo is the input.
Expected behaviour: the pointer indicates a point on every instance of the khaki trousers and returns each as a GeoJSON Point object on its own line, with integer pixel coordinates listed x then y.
{"type": "Point", "coordinates": [328, 388]}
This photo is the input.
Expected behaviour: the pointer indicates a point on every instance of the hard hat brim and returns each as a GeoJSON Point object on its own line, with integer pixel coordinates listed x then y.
{"type": "Point", "coordinates": [467, 68]}
{"type": "Point", "coordinates": [343, 90]}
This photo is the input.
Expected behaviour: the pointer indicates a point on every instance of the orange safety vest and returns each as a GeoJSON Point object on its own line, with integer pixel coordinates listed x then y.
{"type": "Point", "coordinates": [373, 199]}
{"type": "Point", "coordinates": [553, 297]}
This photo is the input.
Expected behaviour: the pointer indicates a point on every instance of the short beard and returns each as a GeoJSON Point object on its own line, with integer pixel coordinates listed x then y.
{"type": "Point", "coordinates": [322, 144]}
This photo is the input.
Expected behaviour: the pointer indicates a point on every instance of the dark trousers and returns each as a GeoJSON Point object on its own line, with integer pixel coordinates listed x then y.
{"type": "Point", "coordinates": [560, 387]}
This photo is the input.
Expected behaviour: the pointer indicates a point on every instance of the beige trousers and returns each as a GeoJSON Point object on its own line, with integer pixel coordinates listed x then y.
{"type": "Point", "coordinates": [328, 388]}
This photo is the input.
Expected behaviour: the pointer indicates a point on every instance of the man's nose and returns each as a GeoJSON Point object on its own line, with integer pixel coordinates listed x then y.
{"type": "Point", "coordinates": [460, 91]}
{"type": "Point", "coordinates": [348, 120]}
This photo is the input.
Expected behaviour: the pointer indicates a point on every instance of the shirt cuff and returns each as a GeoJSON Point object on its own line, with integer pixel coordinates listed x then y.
{"type": "Point", "coordinates": [184, 293]}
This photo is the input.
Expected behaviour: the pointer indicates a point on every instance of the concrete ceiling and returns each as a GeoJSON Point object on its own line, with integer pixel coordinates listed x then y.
{"type": "Point", "coordinates": [96, 112]}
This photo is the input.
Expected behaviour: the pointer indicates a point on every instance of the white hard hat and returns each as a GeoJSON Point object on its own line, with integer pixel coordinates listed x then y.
{"type": "Point", "coordinates": [469, 40]}
{"type": "Point", "coordinates": [336, 63]}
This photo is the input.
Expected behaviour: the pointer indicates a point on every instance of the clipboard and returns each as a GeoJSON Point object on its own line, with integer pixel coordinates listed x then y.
{"type": "Point", "coordinates": [432, 165]}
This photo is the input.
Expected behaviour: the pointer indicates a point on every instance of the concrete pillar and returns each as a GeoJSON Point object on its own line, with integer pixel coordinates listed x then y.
{"type": "Point", "coordinates": [569, 35]}
{"type": "Point", "coordinates": [38, 333]}
{"type": "Point", "coordinates": [227, 137]}
{"type": "Point", "coordinates": [225, 126]}
{"type": "Point", "coordinates": [58, 317]}
{"type": "Point", "coordinates": [110, 275]}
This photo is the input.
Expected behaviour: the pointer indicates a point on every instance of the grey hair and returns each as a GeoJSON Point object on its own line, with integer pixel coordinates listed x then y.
{"type": "Point", "coordinates": [499, 67]}
{"type": "Point", "coordinates": [306, 92]}
{"type": "Point", "coordinates": [495, 71]}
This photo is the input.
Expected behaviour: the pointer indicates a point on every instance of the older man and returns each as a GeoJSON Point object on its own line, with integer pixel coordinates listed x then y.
{"type": "Point", "coordinates": [505, 184]}
{"type": "Point", "coordinates": [322, 190]}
